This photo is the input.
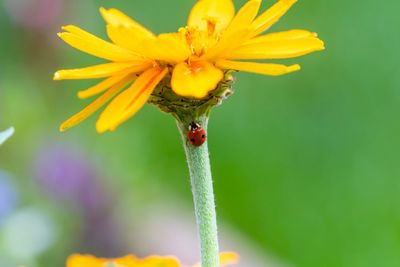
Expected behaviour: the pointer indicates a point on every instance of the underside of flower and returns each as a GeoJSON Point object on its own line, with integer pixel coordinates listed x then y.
{"type": "Point", "coordinates": [193, 60]}
{"type": "Point", "coordinates": [182, 107]}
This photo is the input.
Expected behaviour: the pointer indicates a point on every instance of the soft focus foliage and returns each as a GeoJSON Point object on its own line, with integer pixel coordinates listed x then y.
{"type": "Point", "coordinates": [5, 135]}
{"type": "Point", "coordinates": [306, 165]}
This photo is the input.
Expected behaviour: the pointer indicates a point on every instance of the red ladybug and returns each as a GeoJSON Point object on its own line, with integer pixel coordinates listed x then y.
{"type": "Point", "coordinates": [196, 135]}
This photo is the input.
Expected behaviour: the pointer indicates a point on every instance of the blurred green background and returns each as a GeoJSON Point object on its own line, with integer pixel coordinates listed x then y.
{"type": "Point", "coordinates": [306, 166]}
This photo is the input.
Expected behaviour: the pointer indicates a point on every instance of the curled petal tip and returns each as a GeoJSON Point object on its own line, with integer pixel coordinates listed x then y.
{"type": "Point", "coordinates": [69, 28]}
{"type": "Point", "coordinates": [81, 95]}
{"type": "Point", "coordinates": [57, 76]}
{"type": "Point", "coordinates": [295, 67]}
{"type": "Point", "coordinates": [62, 128]}
{"type": "Point", "coordinates": [102, 10]}
{"type": "Point", "coordinates": [100, 128]}
{"type": "Point", "coordinates": [322, 45]}
{"type": "Point", "coordinates": [65, 126]}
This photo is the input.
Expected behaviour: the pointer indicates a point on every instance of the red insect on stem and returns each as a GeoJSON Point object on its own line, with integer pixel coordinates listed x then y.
{"type": "Point", "coordinates": [196, 135]}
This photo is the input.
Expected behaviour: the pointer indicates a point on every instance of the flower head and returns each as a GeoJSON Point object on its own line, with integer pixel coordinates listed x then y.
{"type": "Point", "coordinates": [195, 58]}
{"type": "Point", "coordinates": [226, 258]}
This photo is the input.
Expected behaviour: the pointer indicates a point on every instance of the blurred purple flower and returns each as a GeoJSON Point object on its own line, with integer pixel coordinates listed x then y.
{"type": "Point", "coordinates": [8, 195]}
{"type": "Point", "coordinates": [66, 175]}
{"type": "Point", "coordinates": [36, 14]}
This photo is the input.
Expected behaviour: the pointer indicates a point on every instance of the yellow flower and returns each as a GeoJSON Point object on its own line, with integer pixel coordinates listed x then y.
{"type": "Point", "coordinates": [214, 41]}
{"type": "Point", "coordinates": [226, 258]}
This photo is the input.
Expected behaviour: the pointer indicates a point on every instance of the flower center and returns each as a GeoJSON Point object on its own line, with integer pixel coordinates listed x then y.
{"type": "Point", "coordinates": [200, 41]}
{"type": "Point", "coordinates": [211, 22]}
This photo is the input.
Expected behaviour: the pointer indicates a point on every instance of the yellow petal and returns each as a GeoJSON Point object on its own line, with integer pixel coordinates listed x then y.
{"type": "Point", "coordinates": [281, 36]}
{"type": "Point", "coordinates": [273, 49]}
{"type": "Point", "coordinates": [95, 46]}
{"type": "Point", "coordinates": [95, 105]}
{"type": "Point", "coordinates": [195, 80]}
{"type": "Point", "coordinates": [100, 87]}
{"type": "Point", "coordinates": [140, 100]}
{"type": "Point", "coordinates": [271, 15]}
{"type": "Point", "coordinates": [260, 68]}
{"type": "Point", "coordinates": [245, 15]}
{"type": "Point", "coordinates": [126, 32]}
{"type": "Point", "coordinates": [175, 45]}
{"type": "Point", "coordinates": [228, 258]}
{"type": "Point", "coordinates": [127, 261]}
{"type": "Point", "coordinates": [215, 15]}
{"type": "Point", "coordinates": [168, 47]}
{"type": "Point", "coordinates": [116, 18]}
{"type": "Point", "coordinates": [100, 71]}
{"type": "Point", "coordinates": [126, 104]}
{"type": "Point", "coordinates": [89, 260]}
{"type": "Point", "coordinates": [129, 38]}
{"type": "Point", "coordinates": [237, 31]}
{"type": "Point", "coordinates": [157, 261]}
{"type": "Point", "coordinates": [225, 45]}
{"type": "Point", "coordinates": [83, 260]}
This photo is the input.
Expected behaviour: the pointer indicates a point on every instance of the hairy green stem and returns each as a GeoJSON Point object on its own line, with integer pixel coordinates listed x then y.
{"type": "Point", "coordinates": [203, 194]}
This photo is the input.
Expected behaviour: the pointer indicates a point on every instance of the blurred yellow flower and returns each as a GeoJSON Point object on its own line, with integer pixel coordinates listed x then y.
{"type": "Point", "coordinates": [226, 258]}
{"type": "Point", "coordinates": [215, 40]}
